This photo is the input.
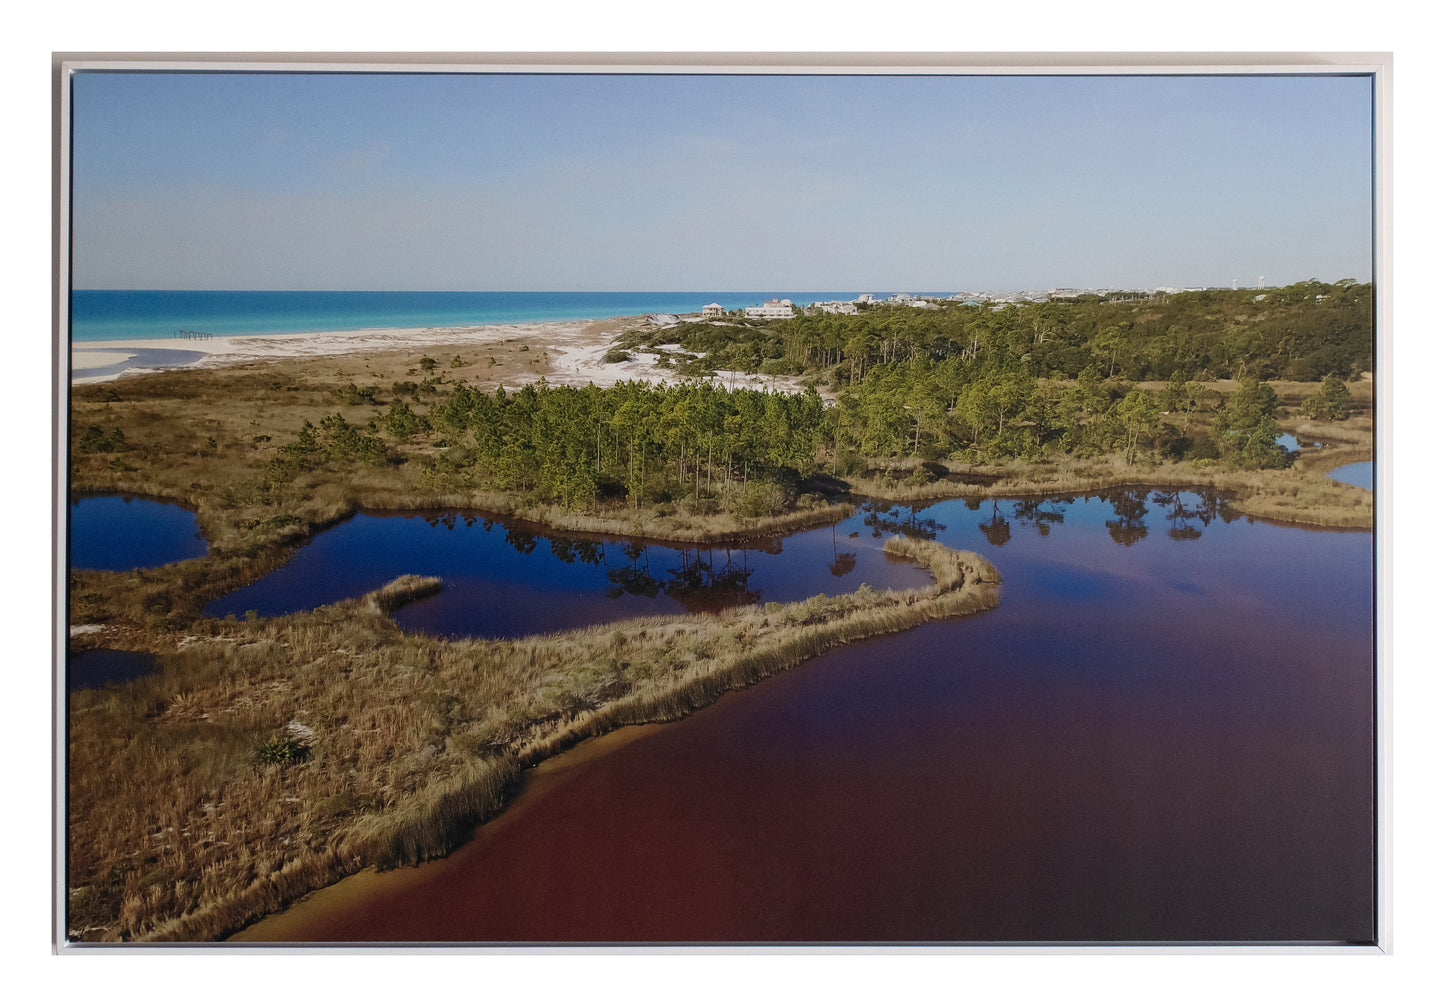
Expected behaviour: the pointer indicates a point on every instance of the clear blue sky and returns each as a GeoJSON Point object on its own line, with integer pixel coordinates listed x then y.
{"type": "Point", "coordinates": [558, 182]}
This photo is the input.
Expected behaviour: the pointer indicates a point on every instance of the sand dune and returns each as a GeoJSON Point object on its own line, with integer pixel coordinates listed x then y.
{"type": "Point", "coordinates": [576, 351]}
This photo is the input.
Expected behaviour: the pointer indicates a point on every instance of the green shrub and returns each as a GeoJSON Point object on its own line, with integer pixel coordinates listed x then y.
{"type": "Point", "coordinates": [279, 751]}
{"type": "Point", "coordinates": [96, 440]}
{"type": "Point", "coordinates": [1331, 402]}
{"type": "Point", "coordinates": [401, 422]}
{"type": "Point", "coordinates": [354, 396]}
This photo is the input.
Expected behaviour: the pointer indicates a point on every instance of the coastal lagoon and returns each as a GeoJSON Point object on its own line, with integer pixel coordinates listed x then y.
{"type": "Point", "coordinates": [1164, 732]}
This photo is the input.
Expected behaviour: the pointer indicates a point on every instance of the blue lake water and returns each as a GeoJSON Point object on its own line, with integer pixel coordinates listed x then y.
{"type": "Point", "coordinates": [506, 579]}
{"type": "Point", "coordinates": [1360, 474]}
{"type": "Point", "coordinates": [125, 532]}
{"type": "Point", "coordinates": [1164, 732]}
{"type": "Point", "coordinates": [95, 669]}
{"type": "Point", "coordinates": [154, 314]}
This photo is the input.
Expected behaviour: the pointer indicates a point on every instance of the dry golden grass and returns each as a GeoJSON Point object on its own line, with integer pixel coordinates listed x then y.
{"type": "Point", "coordinates": [176, 831]}
{"type": "Point", "coordinates": [1291, 393]}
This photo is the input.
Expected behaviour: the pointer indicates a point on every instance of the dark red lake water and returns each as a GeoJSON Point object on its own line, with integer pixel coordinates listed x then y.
{"type": "Point", "coordinates": [1163, 733]}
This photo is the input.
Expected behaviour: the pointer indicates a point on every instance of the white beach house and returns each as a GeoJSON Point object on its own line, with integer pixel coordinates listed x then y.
{"type": "Point", "coordinates": [773, 307]}
{"type": "Point", "coordinates": [713, 310]}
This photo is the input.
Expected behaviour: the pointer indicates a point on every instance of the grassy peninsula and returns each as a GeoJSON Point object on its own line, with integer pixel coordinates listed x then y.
{"type": "Point", "coordinates": [271, 756]}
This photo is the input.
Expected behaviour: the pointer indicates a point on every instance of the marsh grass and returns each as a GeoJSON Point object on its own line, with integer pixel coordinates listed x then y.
{"type": "Point", "coordinates": [177, 831]}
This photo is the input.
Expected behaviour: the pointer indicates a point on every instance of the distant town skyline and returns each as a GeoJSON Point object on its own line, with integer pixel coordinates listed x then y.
{"type": "Point", "coordinates": [702, 182]}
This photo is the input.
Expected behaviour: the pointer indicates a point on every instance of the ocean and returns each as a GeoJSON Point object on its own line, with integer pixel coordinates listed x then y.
{"type": "Point", "coordinates": [97, 315]}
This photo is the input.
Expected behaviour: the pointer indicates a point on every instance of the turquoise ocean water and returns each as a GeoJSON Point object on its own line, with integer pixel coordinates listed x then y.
{"type": "Point", "coordinates": [155, 314]}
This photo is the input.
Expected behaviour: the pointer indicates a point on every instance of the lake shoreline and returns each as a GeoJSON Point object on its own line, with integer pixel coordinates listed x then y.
{"type": "Point", "coordinates": [450, 806]}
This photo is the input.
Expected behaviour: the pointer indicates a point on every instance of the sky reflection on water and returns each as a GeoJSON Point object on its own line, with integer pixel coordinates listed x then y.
{"type": "Point", "coordinates": [1361, 474]}
{"type": "Point", "coordinates": [125, 532]}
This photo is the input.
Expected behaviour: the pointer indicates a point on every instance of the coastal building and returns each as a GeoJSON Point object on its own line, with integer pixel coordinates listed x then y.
{"type": "Point", "coordinates": [909, 300]}
{"type": "Point", "coordinates": [773, 307]}
{"type": "Point", "coordinates": [834, 307]}
{"type": "Point", "coordinates": [863, 299]}
{"type": "Point", "coordinates": [713, 310]}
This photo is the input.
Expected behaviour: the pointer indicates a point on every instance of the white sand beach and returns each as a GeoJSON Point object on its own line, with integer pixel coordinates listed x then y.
{"type": "Point", "coordinates": [84, 358]}
{"type": "Point", "coordinates": [571, 351]}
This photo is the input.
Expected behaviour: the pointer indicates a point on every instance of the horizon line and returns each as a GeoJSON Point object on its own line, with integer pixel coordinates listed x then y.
{"type": "Point", "coordinates": [779, 289]}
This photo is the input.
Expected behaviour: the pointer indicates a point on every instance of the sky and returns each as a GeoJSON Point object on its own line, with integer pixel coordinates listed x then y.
{"type": "Point", "coordinates": [714, 183]}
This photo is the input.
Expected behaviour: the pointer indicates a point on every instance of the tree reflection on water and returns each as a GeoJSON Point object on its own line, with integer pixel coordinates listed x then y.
{"type": "Point", "coordinates": [996, 530]}
{"type": "Point", "coordinates": [1188, 514]}
{"type": "Point", "coordinates": [887, 520]}
{"type": "Point", "coordinates": [1130, 507]}
{"type": "Point", "coordinates": [703, 579]}
{"type": "Point", "coordinates": [1040, 514]}
{"type": "Point", "coordinates": [1187, 522]}
{"type": "Point", "coordinates": [843, 563]}
{"type": "Point", "coordinates": [708, 579]}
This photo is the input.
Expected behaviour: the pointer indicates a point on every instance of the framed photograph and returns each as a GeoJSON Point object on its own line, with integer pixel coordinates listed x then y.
{"type": "Point", "coordinates": [659, 500]}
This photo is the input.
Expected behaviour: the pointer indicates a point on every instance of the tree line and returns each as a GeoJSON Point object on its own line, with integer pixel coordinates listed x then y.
{"type": "Point", "coordinates": [635, 441]}
{"type": "Point", "coordinates": [750, 452]}
{"type": "Point", "coordinates": [1301, 332]}
{"type": "Point", "coordinates": [934, 410]}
